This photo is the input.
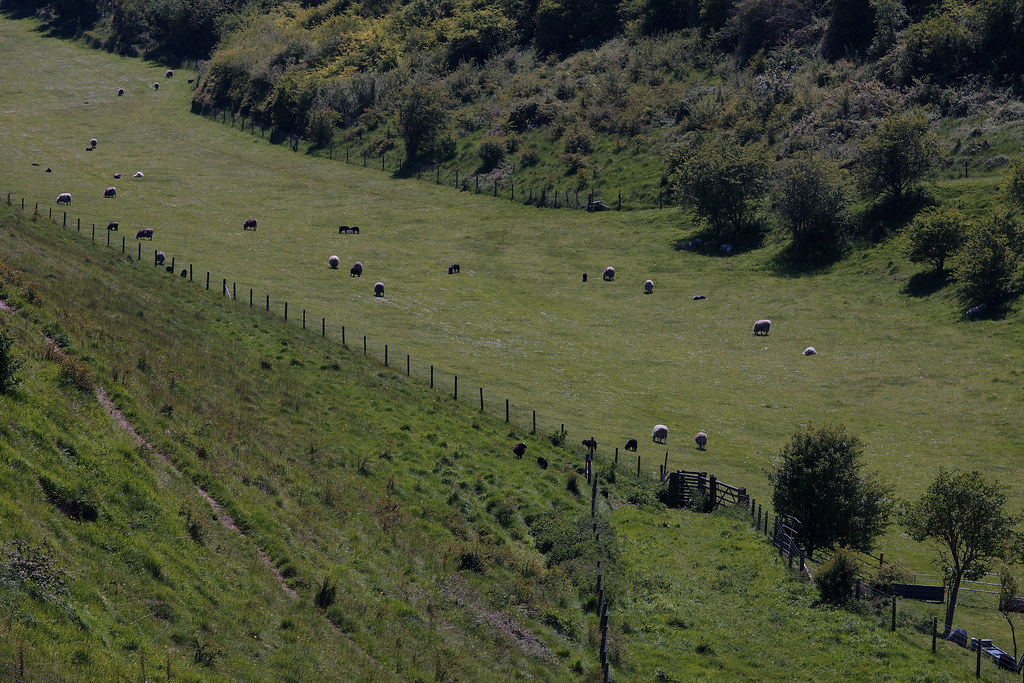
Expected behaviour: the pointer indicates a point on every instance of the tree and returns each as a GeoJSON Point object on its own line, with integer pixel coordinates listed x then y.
{"type": "Point", "coordinates": [818, 479]}
{"type": "Point", "coordinates": [986, 264]}
{"type": "Point", "coordinates": [808, 194]}
{"type": "Point", "coordinates": [965, 517]}
{"type": "Point", "coordinates": [1011, 606]}
{"type": "Point", "coordinates": [934, 235]}
{"type": "Point", "coordinates": [896, 156]}
{"type": "Point", "coordinates": [1012, 188]}
{"type": "Point", "coordinates": [721, 181]}
{"type": "Point", "coordinates": [421, 118]}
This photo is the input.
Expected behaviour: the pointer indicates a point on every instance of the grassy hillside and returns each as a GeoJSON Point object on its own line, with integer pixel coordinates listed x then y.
{"type": "Point", "coordinates": [335, 477]}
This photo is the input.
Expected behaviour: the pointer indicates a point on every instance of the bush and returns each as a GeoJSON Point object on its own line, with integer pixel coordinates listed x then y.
{"type": "Point", "coordinates": [10, 363]}
{"type": "Point", "coordinates": [491, 150]}
{"type": "Point", "coordinates": [529, 156]}
{"type": "Point", "coordinates": [835, 580]}
{"type": "Point", "coordinates": [894, 572]}
{"type": "Point", "coordinates": [326, 594]}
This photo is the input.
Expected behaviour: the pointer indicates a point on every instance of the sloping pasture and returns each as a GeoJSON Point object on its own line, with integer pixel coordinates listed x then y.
{"type": "Point", "coordinates": [922, 387]}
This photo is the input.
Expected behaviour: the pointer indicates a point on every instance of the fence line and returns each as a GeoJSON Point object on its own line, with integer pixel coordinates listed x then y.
{"type": "Point", "coordinates": [784, 533]}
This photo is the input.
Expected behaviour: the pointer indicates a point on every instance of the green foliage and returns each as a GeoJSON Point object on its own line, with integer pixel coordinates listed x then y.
{"type": "Point", "coordinates": [10, 362]}
{"type": "Point", "coordinates": [721, 180]}
{"type": "Point", "coordinates": [895, 158]}
{"type": "Point", "coordinates": [942, 46]}
{"type": "Point", "coordinates": [964, 516]}
{"type": "Point", "coordinates": [935, 234]}
{"type": "Point", "coordinates": [818, 479]}
{"type": "Point", "coordinates": [421, 120]}
{"type": "Point", "coordinates": [33, 569]}
{"type": "Point", "coordinates": [835, 579]}
{"type": "Point", "coordinates": [987, 263]}
{"type": "Point", "coordinates": [808, 194]}
{"type": "Point", "coordinates": [491, 150]}
{"type": "Point", "coordinates": [892, 572]}
{"type": "Point", "coordinates": [564, 26]}
{"type": "Point", "coordinates": [1012, 189]}
{"type": "Point", "coordinates": [326, 594]}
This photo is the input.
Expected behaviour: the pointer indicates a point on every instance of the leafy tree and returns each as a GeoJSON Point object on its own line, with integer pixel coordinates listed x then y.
{"type": "Point", "coordinates": [965, 517]}
{"type": "Point", "coordinates": [986, 264]}
{"type": "Point", "coordinates": [808, 194]}
{"type": "Point", "coordinates": [422, 118]}
{"type": "Point", "coordinates": [1012, 188]}
{"type": "Point", "coordinates": [934, 235]}
{"type": "Point", "coordinates": [721, 181]}
{"type": "Point", "coordinates": [10, 364]}
{"type": "Point", "coordinates": [563, 26]}
{"type": "Point", "coordinates": [890, 17]}
{"type": "Point", "coordinates": [818, 479]}
{"type": "Point", "coordinates": [897, 156]}
{"type": "Point", "coordinates": [1011, 606]}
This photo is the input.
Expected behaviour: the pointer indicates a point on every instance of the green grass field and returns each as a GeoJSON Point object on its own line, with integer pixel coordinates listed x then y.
{"type": "Point", "coordinates": [922, 387]}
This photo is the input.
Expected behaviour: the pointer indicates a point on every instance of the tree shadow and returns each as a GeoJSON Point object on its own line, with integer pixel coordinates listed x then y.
{"type": "Point", "coordinates": [883, 218]}
{"type": "Point", "coordinates": [711, 243]}
{"type": "Point", "coordinates": [927, 283]}
{"type": "Point", "coordinates": [790, 262]}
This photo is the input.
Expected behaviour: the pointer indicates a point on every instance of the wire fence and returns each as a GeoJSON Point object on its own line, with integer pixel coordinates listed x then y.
{"type": "Point", "coordinates": [909, 619]}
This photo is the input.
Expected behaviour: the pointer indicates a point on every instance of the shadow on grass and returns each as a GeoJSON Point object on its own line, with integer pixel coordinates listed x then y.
{"type": "Point", "coordinates": [792, 263]}
{"type": "Point", "coordinates": [881, 220]}
{"type": "Point", "coordinates": [927, 283]}
{"type": "Point", "coordinates": [711, 243]}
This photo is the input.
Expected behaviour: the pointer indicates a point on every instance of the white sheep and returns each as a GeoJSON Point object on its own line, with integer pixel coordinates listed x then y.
{"type": "Point", "coordinates": [609, 274]}
{"type": "Point", "coordinates": [64, 198]}
{"type": "Point", "coordinates": [761, 327]}
{"type": "Point", "coordinates": [334, 262]}
{"type": "Point", "coordinates": [702, 440]}
{"type": "Point", "coordinates": [809, 351]}
{"type": "Point", "coordinates": [378, 289]}
{"type": "Point", "coordinates": [649, 287]}
{"type": "Point", "coordinates": [93, 142]}
{"type": "Point", "coordinates": [659, 434]}
{"type": "Point", "coordinates": [137, 174]}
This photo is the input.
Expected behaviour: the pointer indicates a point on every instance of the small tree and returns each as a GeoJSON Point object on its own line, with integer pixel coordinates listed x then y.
{"type": "Point", "coordinates": [986, 264]}
{"type": "Point", "coordinates": [836, 579]}
{"type": "Point", "coordinates": [897, 156]}
{"type": "Point", "coordinates": [965, 517]}
{"type": "Point", "coordinates": [10, 363]}
{"type": "Point", "coordinates": [934, 235]}
{"type": "Point", "coordinates": [808, 194]}
{"type": "Point", "coordinates": [421, 118]}
{"type": "Point", "coordinates": [818, 479]}
{"type": "Point", "coordinates": [1011, 606]}
{"type": "Point", "coordinates": [721, 181]}
{"type": "Point", "coordinates": [1012, 188]}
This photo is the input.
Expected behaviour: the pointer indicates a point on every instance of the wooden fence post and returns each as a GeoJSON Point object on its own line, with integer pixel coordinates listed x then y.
{"type": "Point", "coordinates": [935, 632]}
{"type": "Point", "coordinates": [207, 276]}
{"type": "Point", "coordinates": [364, 344]}
{"type": "Point", "coordinates": [893, 614]}
{"type": "Point", "coordinates": [385, 355]}
{"type": "Point", "coordinates": [616, 455]}
{"type": "Point", "coordinates": [408, 363]}
{"type": "Point", "coordinates": [286, 311]}
{"type": "Point", "coordinates": [481, 399]}
{"type": "Point", "coordinates": [534, 422]}
{"type": "Point", "coordinates": [303, 318]}
{"type": "Point", "coordinates": [977, 670]}
{"type": "Point", "coordinates": [343, 335]}
{"type": "Point", "coordinates": [456, 387]}
{"type": "Point", "coordinates": [223, 286]}
{"type": "Point", "coordinates": [323, 327]}
{"type": "Point", "coordinates": [431, 376]}
{"type": "Point", "coordinates": [268, 302]}
{"type": "Point", "coordinates": [506, 410]}
{"type": "Point", "coordinates": [122, 251]}
{"type": "Point", "coordinates": [189, 270]}
{"type": "Point", "coordinates": [638, 466]}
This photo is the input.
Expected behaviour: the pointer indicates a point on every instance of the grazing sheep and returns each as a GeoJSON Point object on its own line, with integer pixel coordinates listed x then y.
{"type": "Point", "coordinates": [112, 225]}
{"type": "Point", "coordinates": [110, 192]}
{"type": "Point", "coordinates": [519, 449]}
{"type": "Point", "coordinates": [120, 92]}
{"type": "Point", "coordinates": [342, 229]}
{"type": "Point", "coordinates": [590, 444]}
{"type": "Point", "coordinates": [659, 434]}
{"type": "Point", "coordinates": [698, 297]}
{"type": "Point", "coordinates": [543, 463]}
{"type": "Point", "coordinates": [761, 327]}
{"type": "Point", "coordinates": [156, 86]}
{"type": "Point", "coordinates": [702, 440]}
{"type": "Point", "coordinates": [609, 274]}
{"type": "Point", "coordinates": [631, 445]}
{"type": "Point", "coordinates": [168, 74]}
{"type": "Point", "coordinates": [169, 269]}
{"type": "Point", "coordinates": [649, 287]}
{"type": "Point", "coordinates": [160, 258]}
{"type": "Point", "coordinates": [354, 230]}
{"type": "Point", "coordinates": [975, 311]}
{"type": "Point", "coordinates": [64, 198]}
{"type": "Point", "coordinates": [725, 248]}
{"type": "Point", "coordinates": [584, 277]}
{"type": "Point", "coordinates": [137, 174]}
{"type": "Point", "coordinates": [346, 230]}
{"type": "Point", "coordinates": [117, 176]}
{"type": "Point", "coordinates": [49, 170]}
{"type": "Point", "coordinates": [334, 262]}
{"type": "Point", "coordinates": [356, 270]}
{"type": "Point", "coordinates": [378, 289]}
{"type": "Point", "coordinates": [184, 272]}
{"type": "Point", "coordinates": [809, 351]}
{"type": "Point", "coordinates": [144, 233]}
{"type": "Point", "coordinates": [93, 142]}
{"type": "Point", "coordinates": [191, 80]}
{"type": "Point", "coordinates": [88, 149]}
{"type": "Point", "coordinates": [453, 268]}
{"type": "Point", "coordinates": [249, 224]}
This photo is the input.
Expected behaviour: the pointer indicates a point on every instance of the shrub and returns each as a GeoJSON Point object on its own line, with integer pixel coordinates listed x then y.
{"type": "Point", "coordinates": [835, 580]}
{"type": "Point", "coordinates": [10, 363]}
{"type": "Point", "coordinates": [894, 572]}
{"type": "Point", "coordinates": [529, 156]}
{"type": "Point", "coordinates": [326, 594]}
{"type": "Point", "coordinates": [572, 484]}
{"type": "Point", "coordinates": [491, 150]}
